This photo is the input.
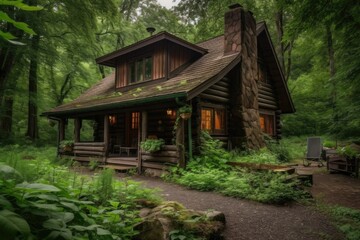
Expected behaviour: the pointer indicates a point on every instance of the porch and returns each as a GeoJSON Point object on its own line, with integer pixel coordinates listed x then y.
{"type": "Point", "coordinates": [116, 139]}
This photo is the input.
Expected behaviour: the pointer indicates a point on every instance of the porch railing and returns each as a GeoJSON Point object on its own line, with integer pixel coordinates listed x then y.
{"type": "Point", "coordinates": [86, 151]}
{"type": "Point", "coordinates": [167, 156]}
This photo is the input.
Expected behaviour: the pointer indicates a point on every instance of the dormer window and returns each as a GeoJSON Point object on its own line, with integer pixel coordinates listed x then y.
{"type": "Point", "coordinates": [140, 70]}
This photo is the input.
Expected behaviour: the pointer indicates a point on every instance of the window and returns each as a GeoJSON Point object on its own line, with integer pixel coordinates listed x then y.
{"type": "Point", "coordinates": [213, 120]}
{"type": "Point", "coordinates": [267, 124]}
{"type": "Point", "coordinates": [134, 120]}
{"type": "Point", "coordinates": [140, 70]}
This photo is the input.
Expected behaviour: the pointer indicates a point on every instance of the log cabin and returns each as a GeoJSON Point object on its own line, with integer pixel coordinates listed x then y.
{"type": "Point", "coordinates": [233, 83]}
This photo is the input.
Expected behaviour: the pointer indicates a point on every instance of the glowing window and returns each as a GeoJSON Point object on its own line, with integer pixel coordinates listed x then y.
{"type": "Point", "coordinates": [267, 124]}
{"type": "Point", "coordinates": [134, 120]}
{"type": "Point", "coordinates": [213, 120]}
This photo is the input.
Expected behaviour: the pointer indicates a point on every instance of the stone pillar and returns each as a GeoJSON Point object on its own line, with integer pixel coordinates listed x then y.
{"type": "Point", "coordinates": [240, 36]}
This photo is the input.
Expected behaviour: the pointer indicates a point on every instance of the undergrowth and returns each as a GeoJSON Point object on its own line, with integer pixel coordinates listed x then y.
{"type": "Point", "coordinates": [346, 219]}
{"type": "Point", "coordinates": [209, 172]}
{"type": "Point", "coordinates": [40, 200]}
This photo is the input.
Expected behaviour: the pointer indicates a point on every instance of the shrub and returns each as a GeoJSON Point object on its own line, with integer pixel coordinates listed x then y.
{"type": "Point", "coordinates": [152, 145]}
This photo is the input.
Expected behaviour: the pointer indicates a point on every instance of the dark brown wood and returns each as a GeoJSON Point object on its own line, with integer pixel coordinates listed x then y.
{"type": "Point", "coordinates": [169, 148]}
{"type": "Point", "coordinates": [132, 161]}
{"type": "Point", "coordinates": [61, 130]}
{"type": "Point", "coordinates": [220, 88]}
{"type": "Point", "coordinates": [155, 165]}
{"type": "Point", "coordinates": [269, 106]}
{"type": "Point", "coordinates": [214, 98]}
{"type": "Point", "coordinates": [150, 158]}
{"type": "Point", "coordinates": [106, 134]}
{"type": "Point", "coordinates": [92, 144]}
{"type": "Point", "coordinates": [89, 153]}
{"type": "Point", "coordinates": [162, 154]}
{"type": "Point", "coordinates": [215, 92]}
{"type": "Point", "coordinates": [270, 102]}
{"type": "Point", "coordinates": [180, 142]}
{"type": "Point", "coordinates": [77, 125]}
{"type": "Point", "coordinates": [89, 148]}
{"type": "Point", "coordinates": [117, 167]}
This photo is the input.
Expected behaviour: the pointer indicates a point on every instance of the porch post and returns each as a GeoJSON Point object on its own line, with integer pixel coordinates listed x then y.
{"type": "Point", "coordinates": [106, 134]}
{"type": "Point", "coordinates": [143, 134]}
{"type": "Point", "coordinates": [61, 133]}
{"type": "Point", "coordinates": [77, 124]}
{"type": "Point", "coordinates": [180, 142]}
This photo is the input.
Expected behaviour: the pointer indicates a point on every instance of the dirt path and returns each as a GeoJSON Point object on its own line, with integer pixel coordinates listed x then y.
{"type": "Point", "coordinates": [251, 220]}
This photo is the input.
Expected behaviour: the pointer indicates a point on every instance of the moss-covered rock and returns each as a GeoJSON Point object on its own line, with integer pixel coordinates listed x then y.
{"type": "Point", "coordinates": [158, 223]}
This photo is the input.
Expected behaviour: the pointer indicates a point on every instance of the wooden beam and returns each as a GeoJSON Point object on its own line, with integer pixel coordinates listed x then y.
{"type": "Point", "coordinates": [180, 142]}
{"type": "Point", "coordinates": [61, 130]}
{"type": "Point", "coordinates": [106, 134]}
{"type": "Point", "coordinates": [77, 124]}
{"type": "Point", "coordinates": [143, 130]}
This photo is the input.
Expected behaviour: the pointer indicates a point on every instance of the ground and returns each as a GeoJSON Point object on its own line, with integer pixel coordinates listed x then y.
{"type": "Point", "coordinates": [252, 220]}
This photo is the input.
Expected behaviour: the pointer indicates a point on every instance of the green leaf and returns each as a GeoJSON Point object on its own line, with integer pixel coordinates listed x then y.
{"type": "Point", "coordinates": [101, 232]}
{"type": "Point", "coordinates": [21, 5]}
{"type": "Point", "coordinates": [5, 203]}
{"type": "Point", "coordinates": [72, 206]}
{"type": "Point", "coordinates": [11, 224]}
{"type": "Point", "coordinates": [37, 187]}
{"type": "Point", "coordinates": [48, 207]}
{"type": "Point", "coordinates": [5, 169]}
{"type": "Point", "coordinates": [64, 216]}
{"type": "Point", "coordinates": [53, 224]}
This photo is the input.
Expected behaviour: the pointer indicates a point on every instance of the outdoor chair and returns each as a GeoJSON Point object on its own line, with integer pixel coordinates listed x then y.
{"type": "Point", "coordinates": [313, 152]}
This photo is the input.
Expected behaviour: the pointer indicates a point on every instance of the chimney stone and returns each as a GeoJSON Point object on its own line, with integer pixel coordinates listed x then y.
{"type": "Point", "coordinates": [240, 37]}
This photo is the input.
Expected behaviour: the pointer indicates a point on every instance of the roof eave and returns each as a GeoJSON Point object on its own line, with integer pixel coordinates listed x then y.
{"type": "Point", "coordinates": [106, 59]}
{"type": "Point", "coordinates": [113, 105]}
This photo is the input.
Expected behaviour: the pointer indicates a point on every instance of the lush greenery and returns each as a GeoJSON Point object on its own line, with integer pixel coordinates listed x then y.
{"type": "Point", "coordinates": [152, 145]}
{"type": "Point", "coordinates": [209, 172]}
{"type": "Point", "coordinates": [41, 200]}
{"type": "Point", "coordinates": [346, 219]}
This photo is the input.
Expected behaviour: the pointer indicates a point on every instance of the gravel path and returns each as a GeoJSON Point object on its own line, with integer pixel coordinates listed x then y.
{"type": "Point", "coordinates": [252, 220]}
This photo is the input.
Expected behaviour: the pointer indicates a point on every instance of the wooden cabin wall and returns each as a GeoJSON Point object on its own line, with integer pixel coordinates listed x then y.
{"type": "Point", "coordinates": [217, 95]}
{"type": "Point", "coordinates": [117, 131]}
{"type": "Point", "coordinates": [121, 75]}
{"type": "Point", "coordinates": [178, 56]}
{"type": "Point", "coordinates": [159, 57]}
{"type": "Point", "coordinates": [164, 129]}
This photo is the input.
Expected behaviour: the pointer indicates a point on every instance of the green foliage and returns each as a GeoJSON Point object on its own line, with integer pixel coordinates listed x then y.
{"type": "Point", "coordinates": [209, 172]}
{"type": "Point", "coordinates": [329, 144]}
{"type": "Point", "coordinates": [185, 109]}
{"type": "Point", "coordinates": [93, 164]}
{"type": "Point", "coordinates": [66, 143]}
{"type": "Point", "coordinates": [348, 151]}
{"type": "Point", "coordinates": [279, 149]}
{"type": "Point", "coordinates": [152, 145]}
{"type": "Point", "coordinates": [39, 200]}
{"type": "Point", "coordinates": [346, 219]}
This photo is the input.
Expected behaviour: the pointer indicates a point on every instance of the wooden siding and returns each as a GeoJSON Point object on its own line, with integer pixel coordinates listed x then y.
{"type": "Point", "coordinates": [217, 93]}
{"type": "Point", "coordinates": [121, 75]}
{"type": "Point", "coordinates": [85, 151]}
{"type": "Point", "coordinates": [159, 58]}
{"type": "Point", "coordinates": [161, 160]}
{"type": "Point", "coordinates": [161, 130]}
{"type": "Point", "coordinates": [267, 97]}
{"type": "Point", "coordinates": [178, 56]}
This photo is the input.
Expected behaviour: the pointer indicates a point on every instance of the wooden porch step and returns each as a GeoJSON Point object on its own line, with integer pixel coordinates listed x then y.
{"type": "Point", "coordinates": [122, 161]}
{"type": "Point", "coordinates": [118, 167]}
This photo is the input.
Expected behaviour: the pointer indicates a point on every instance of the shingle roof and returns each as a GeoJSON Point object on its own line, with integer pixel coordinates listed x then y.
{"type": "Point", "coordinates": [210, 67]}
{"type": "Point", "coordinates": [103, 95]}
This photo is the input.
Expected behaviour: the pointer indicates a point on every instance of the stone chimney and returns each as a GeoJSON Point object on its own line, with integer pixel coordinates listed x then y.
{"type": "Point", "coordinates": [240, 37]}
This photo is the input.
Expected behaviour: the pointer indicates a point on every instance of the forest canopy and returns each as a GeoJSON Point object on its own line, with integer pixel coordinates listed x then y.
{"type": "Point", "coordinates": [48, 50]}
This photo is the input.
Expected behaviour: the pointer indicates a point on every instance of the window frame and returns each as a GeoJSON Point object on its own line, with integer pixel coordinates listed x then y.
{"type": "Point", "coordinates": [135, 62]}
{"type": "Point", "coordinates": [213, 109]}
{"type": "Point", "coordinates": [268, 114]}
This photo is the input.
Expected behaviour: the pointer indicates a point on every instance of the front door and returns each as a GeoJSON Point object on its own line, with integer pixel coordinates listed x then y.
{"type": "Point", "coordinates": [132, 129]}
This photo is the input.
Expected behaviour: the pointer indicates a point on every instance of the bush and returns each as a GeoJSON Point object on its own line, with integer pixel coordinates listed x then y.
{"type": "Point", "coordinates": [209, 172]}
{"type": "Point", "coordinates": [152, 145]}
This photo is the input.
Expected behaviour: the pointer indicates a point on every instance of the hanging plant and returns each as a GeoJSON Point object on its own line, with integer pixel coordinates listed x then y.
{"type": "Point", "coordinates": [67, 145]}
{"type": "Point", "coordinates": [185, 111]}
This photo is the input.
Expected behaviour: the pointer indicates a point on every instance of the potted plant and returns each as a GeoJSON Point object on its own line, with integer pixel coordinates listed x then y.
{"type": "Point", "coordinates": [67, 145]}
{"type": "Point", "coordinates": [185, 112]}
{"type": "Point", "coordinates": [152, 145]}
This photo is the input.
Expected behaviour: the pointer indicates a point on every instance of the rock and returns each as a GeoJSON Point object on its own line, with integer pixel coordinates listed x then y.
{"type": "Point", "coordinates": [160, 221]}
{"type": "Point", "coordinates": [215, 216]}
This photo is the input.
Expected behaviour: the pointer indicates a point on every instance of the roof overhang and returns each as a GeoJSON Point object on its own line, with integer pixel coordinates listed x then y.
{"type": "Point", "coordinates": [286, 104]}
{"type": "Point", "coordinates": [114, 105]}
{"type": "Point", "coordinates": [111, 58]}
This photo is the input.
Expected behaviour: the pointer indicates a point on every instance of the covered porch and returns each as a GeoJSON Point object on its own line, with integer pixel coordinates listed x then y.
{"type": "Point", "coordinates": [116, 138]}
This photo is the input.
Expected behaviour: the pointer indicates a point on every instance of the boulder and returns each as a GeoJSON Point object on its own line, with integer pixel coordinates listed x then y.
{"type": "Point", "coordinates": [159, 222]}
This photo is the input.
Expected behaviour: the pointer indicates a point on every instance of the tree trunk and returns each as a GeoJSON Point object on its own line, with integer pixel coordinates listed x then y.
{"type": "Point", "coordinates": [332, 72]}
{"type": "Point", "coordinates": [279, 17]}
{"type": "Point", "coordinates": [32, 130]}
